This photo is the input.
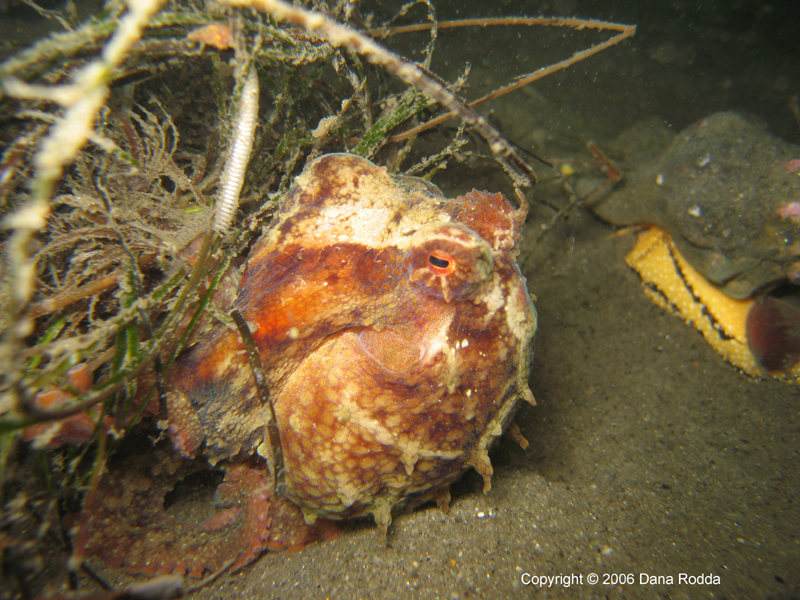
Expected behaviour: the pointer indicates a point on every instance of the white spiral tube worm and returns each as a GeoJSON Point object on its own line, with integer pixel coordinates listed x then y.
{"type": "Point", "coordinates": [239, 155]}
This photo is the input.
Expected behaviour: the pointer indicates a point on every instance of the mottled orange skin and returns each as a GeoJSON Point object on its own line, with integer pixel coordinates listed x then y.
{"type": "Point", "coordinates": [131, 529]}
{"type": "Point", "coordinates": [75, 429]}
{"type": "Point", "coordinates": [395, 332]}
{"type": "Point", "coordinates": [390, 374]}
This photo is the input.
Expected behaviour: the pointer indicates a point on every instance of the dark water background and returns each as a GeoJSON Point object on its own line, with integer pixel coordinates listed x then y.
{"type": "Point", "coordinates": [687, 59]}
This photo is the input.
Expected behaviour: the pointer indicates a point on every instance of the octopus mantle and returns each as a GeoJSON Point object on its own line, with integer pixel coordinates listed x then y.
{"type": "Point", "coordinates": [395, 331]}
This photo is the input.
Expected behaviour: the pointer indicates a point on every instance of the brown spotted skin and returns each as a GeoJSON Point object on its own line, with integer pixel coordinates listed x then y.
{"type": "Point", "coordinates": [130, 527]}
{"type": "Point", "coordinates": [395, 330]}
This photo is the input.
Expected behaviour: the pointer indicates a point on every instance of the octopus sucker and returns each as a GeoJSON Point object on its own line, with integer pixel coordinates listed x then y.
{"type": "Point", "coordinates": [395, 332]}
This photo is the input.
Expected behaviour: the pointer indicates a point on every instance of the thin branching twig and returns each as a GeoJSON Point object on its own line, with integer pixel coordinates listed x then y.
{"type": "Point", "coordinates": [340, 35]}
{"type": "Point", "coordinates": [625, 31]}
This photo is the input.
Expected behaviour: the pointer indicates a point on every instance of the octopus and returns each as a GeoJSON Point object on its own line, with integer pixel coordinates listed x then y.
{"type": "Point", "coordinates": [721, 245]}
{"type": "Point", "coordinates": [395, 332]}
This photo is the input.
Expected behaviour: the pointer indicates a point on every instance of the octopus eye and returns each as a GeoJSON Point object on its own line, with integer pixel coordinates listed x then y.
{"type": "Point", "coordinates": [438, 261]}
{"type": "Point", "coordinates": [449, 261]}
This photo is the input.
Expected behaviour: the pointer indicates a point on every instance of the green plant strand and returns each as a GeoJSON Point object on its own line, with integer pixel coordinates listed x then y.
{"type": "Point", "coordinates": [410, 103]}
